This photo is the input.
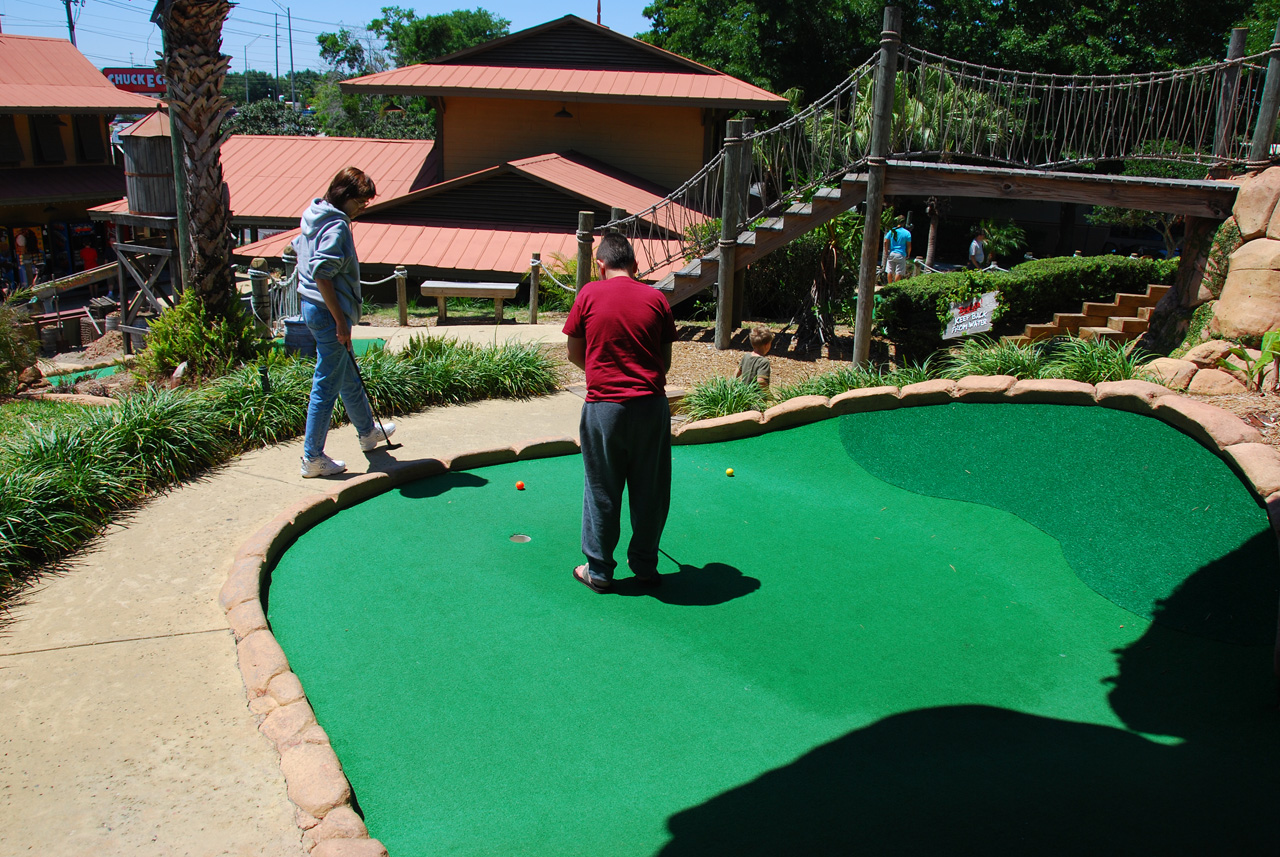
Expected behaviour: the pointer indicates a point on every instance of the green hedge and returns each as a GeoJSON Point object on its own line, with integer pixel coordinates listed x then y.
{"type": "Point", "coordinates": [914, 311]}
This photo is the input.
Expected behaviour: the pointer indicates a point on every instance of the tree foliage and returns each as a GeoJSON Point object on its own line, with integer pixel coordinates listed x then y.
{"type": "Point", "coordinates": [271, 117]}
{"type": "Point", "coordinates": [413, 40]}
{"type": "Point", "coordinates": [779, 44]}
{"type": "Point", "coordinates": [1163, 222]}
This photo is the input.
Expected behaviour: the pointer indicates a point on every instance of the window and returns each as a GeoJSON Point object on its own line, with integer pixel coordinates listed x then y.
{"type": "Point", "coordinates": [10, 145]}
{"type": "Point", "coordinates": [46, 135]}
{"type": "Point", "coordinates": [89, 145]}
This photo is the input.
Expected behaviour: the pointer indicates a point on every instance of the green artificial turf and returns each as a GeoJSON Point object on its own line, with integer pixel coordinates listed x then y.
{"type": "Point", "coordinates": [73, 377]}
{"type": "Point", "coordinates": [834, 665]}
{"type": "Point", "coordinates": [1137, 506]}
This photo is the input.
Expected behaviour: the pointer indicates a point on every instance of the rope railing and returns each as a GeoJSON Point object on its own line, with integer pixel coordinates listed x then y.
{"type": "Point", "coordinates": [1034, 120]}
{"type": "Point", "coordinates": [952, 109]}
{"type": "Point", "coordinates": [812, 148]}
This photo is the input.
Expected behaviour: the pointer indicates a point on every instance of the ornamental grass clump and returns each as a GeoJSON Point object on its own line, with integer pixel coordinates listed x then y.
{"type": "Point", "coordinates": [984, 356]}
{"type": "Point", "coordinates": [1096, 360]}
{"type": "Point", "coordinates": [161, 436]}
{"type": "Point", "coordinates": [720, 396]}
{"type": "Point", "coordinates": [260, 417]}
{"type": "Point", "coordinates": [833, 383]}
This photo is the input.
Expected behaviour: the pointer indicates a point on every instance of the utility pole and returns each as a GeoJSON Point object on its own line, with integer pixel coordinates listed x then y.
{"type": "Point", "coordinates": [275, 84]}
{"type": "Point", "coordinates": [293, 93]}
{"type": "Point", "coordinates": [71, 24]}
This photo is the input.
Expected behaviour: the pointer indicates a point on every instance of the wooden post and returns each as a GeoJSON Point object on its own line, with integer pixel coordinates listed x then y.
{"type": "Point", "coordinates": [1265, 128]}
{"type": "Point", "coordinates": [1227, 102]}
{"type": "Point", "coordinates": [124, 302]}
{"type": "Point", "coordinates": [744, 213]}
{"type": "Point", "coordinates": [586, 226]}
{"type": "Point", "coordinates": [616, 213]}
{"type": "Point", "coordinates": [402, 294]}
{"type": "Point", "coordinates": [881, 129]}
{"type": "Point", "coordinates": [535, 281]}
{"type": "Point", "coordinates": [729, 216]}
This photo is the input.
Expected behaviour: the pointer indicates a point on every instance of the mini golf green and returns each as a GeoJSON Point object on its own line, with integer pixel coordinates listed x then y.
{"type": "Point", "coordinates": [927, 630]}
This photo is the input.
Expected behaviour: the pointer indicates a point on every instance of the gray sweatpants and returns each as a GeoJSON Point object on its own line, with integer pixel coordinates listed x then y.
{"type": "Point", "coordinates": [627, 443]}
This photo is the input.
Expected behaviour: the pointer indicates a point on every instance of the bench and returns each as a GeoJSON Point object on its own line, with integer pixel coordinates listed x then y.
{"type": "Point", "coordinates": [442, 290]}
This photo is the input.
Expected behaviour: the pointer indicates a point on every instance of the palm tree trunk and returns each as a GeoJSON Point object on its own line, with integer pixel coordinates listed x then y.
{"type": "Point", "coordinates": [196, 69]}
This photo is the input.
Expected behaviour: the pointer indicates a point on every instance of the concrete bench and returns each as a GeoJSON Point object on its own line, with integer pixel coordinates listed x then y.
{"type": "Point", "coordinates": [441, 291]}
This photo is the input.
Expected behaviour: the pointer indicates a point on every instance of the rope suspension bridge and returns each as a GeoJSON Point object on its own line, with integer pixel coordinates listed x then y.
{"type": "Point", "coordinates": [908, 121]}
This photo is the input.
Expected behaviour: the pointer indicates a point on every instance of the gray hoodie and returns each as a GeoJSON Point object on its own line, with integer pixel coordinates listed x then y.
{"type": "Point", "coordinates": [326, 250]}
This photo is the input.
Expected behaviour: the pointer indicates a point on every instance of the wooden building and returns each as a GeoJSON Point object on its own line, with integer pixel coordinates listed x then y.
{"type": "Point", "coordinates": [56, 158]}
{"type": "Point", "coordinates": [531, 129]}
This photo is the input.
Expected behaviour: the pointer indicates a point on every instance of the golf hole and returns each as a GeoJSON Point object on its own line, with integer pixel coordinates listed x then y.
{"type": "Point", "coordinates": [520, 538]}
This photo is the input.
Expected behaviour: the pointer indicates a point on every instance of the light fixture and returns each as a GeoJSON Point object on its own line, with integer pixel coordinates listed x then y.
{"type": "Point", "coordinates": [563, 113]}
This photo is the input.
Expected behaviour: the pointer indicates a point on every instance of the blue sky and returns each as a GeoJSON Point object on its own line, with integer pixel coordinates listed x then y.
{"type": "Point", "coordinates": [112, 32]}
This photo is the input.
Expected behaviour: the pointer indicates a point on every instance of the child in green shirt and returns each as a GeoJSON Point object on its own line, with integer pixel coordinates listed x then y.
{"type": "Point", "coordinates": [755, 366]}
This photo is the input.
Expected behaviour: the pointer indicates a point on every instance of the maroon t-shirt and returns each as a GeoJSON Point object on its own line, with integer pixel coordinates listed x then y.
{"type": "Point", "coordinates": [625, 324]}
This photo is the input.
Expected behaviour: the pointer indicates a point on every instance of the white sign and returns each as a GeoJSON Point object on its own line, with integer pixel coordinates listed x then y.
{"type": "Point", "coordinates": [972, 316]}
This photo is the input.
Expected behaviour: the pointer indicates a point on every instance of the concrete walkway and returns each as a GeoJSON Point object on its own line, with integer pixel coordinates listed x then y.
{"type": "Point", "coordinates": [124, 727]}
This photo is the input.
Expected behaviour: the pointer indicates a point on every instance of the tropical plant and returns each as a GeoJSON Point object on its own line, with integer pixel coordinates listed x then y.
{"type": "Point", "coordinates": [210, 345]}
{"type": "Point", "coordinates": [1004, 238]}
{"type": "Point", "coordinates": [1254, 368]}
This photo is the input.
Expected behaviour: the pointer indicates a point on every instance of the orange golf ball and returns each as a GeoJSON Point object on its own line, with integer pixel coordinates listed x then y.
{"type": "Point", "coordinates": [519, 486]}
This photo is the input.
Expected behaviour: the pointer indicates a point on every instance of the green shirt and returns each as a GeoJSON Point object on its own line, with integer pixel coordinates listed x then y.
{"type": "Point", "coordinates": [754, 367]}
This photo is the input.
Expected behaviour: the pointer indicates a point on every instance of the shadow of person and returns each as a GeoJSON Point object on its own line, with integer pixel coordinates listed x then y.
{"type": "Point", "coordinates": [714, 583]}
{"type": "Point", "coordinates": [434, 486]}
{"type": "Point", "coordinates": [975, 779]}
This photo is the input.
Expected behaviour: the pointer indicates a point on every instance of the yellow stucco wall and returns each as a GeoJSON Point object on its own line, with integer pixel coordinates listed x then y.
{"type": "Point", "coordinates": [656, 142]}
{"type": "Point", "coordinates": [22, 125]}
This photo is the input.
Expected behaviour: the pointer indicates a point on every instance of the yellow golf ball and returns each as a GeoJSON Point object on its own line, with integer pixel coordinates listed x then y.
{"type": "Point", "coordinates": [729, 472]}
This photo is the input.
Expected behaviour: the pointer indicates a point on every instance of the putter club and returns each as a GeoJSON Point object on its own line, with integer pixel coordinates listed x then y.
{"type": "Point", "coordinates": [356, 366]}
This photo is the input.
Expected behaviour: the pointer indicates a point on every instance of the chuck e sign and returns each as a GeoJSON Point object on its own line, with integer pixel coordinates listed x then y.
{"type": "Point", "coordinates": [146, 81]}
{"type": "Point", "coordinates": [971, 316]}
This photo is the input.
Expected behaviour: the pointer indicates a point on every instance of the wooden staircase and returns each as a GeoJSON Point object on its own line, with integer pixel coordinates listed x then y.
{"type": "Point", "coordinates": [1122, 320]}
{"type": "Point", "coordinates": [767, 236]}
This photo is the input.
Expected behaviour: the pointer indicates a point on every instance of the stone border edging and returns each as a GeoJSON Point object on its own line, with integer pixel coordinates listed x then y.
{"type": "Point", "coordinates": [313, 775]}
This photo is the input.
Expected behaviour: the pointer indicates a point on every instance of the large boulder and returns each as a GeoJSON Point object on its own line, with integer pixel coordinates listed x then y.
{"type": "Point", "coordinates": [1256, 202]}
{"type": "Point", "coordinates": [1250, 302]}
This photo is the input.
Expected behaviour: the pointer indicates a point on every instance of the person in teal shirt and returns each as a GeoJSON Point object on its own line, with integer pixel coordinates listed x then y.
{"type": "Point", "coordinates": [897, 247]}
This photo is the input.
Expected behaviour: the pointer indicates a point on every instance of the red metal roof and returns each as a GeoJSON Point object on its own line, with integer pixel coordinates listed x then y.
{"type": "Point", "coordinates": [39, 75]}
{"type": "Point", "coordinates": [704, 90]}
{"type": "Point", "coordinates": [580, 176]}
{"type": "Point", "coordinates": [276, 177]}
{"type": "Point", "coordinates": [152, 125]}
{"type": "Point", "coordinates": [465, 250]}
{"type": "Point", "coordinates": [41, 185]}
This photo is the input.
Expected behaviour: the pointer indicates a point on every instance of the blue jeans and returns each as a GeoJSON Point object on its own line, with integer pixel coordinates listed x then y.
{"type": "Point", "coordinates": [335, 376]}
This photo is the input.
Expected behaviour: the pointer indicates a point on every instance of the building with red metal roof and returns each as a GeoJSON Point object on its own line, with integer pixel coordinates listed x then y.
{"type": "Point", "coordinates": [55, 154]}
{"type": "Point", "coordinates": [533, 128]}
{"type": "Point", "coordinates": [568, 85]}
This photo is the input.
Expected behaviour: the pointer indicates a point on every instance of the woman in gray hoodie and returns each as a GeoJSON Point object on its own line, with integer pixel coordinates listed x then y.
{"type": "Point", "coordinates": [329, 286]}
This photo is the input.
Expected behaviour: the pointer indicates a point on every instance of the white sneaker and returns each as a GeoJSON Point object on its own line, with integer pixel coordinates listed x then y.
{"type": "Point", "coordinates": [321, 465]}
{"type": "Point", "coordinates": [368, 442]}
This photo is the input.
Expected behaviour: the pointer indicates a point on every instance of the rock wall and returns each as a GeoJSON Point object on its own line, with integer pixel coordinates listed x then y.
{"type": "Point", "coordinates": [1250, 300]}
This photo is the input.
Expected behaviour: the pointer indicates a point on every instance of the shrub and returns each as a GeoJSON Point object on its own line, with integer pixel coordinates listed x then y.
{"type": "Point", "coordinates": [17, 352]}
{"type": "Point", "coordinates": [914, 310]}
{"type": "Point", "coordinates": [209, 346]}
{"type": "Point", "coordinates": [720, 396]}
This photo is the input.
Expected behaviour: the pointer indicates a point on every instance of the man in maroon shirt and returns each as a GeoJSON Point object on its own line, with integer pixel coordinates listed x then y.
{"type": "Point", "coordinates": [620, 331]}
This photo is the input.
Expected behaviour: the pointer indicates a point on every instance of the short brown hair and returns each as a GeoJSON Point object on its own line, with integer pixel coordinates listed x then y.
{"type": "Point", "coordinates": [615, 252]}
{"type": "Point", "coordinates": [350, 183]}
{"type": "Point", "coordinates": [760, 335]}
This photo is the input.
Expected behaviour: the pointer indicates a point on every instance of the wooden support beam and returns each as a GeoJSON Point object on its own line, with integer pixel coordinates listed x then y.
{"type": "Point", "coordinates": [1195, 198]}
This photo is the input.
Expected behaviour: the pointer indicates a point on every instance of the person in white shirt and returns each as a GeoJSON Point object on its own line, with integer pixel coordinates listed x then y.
{"type": "Point", "coordinates": [978, 250]}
